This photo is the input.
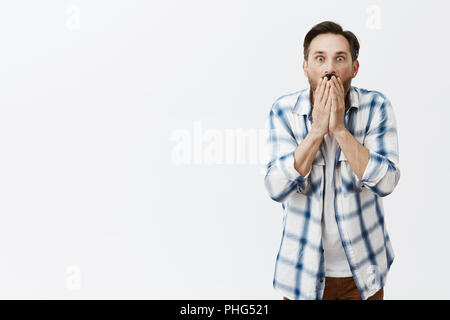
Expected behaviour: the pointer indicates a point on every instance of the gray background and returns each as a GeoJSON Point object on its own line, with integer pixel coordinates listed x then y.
{"type": "Point", "coordinates": [110, 111]}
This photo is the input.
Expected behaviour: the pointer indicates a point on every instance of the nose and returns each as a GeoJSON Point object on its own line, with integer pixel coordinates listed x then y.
{"type": "Point", "coordinates": [330, 68]}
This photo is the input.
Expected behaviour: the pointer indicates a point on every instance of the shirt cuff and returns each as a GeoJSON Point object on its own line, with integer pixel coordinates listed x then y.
{"type": "Point", "coordinates": [286, 164]}
{"type": "Point", "coordinates": [375, 170]}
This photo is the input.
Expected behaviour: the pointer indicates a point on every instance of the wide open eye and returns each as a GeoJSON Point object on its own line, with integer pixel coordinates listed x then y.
{"type": "Point", "coordinates": [342, 59]}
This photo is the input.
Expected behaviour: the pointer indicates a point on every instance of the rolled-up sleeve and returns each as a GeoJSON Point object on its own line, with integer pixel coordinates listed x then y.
{"type": "Point", "coordinates": [382, 173]}
{"type": "Point", "coordinates": [281, 178]}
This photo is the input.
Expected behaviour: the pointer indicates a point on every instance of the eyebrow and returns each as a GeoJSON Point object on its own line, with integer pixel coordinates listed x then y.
{"type": "Point", "coordinates": [322, 52]}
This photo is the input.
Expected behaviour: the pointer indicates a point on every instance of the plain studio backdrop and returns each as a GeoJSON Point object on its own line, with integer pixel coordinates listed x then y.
{"type": "Point", "coordinates": [131, 138]}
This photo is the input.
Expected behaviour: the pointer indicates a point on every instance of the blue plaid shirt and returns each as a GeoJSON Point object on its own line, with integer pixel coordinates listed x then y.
{"type": "Point", "coordinates": [299, 271]}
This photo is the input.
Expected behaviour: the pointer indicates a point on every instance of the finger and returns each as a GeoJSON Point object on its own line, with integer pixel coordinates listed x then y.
{"type": "Point", "coordinates": [328, 105]}
{"type": "Point", "coordinates": [316, 91]}
{"type": "Point", "coordinates": [339, 91]}
{"type": "Point", "coordinates": [318, 88]}
{"type": "Point", "coordinates": [332, 106]}
{"type": "Point", "coordinates": [326, 93]}
{"type": "Point", "coordinates": [322, 89]}
{"type": "Point", "coordinates": [334, 97]}
{"type": "Point", "coordinates": [341, 85]}
{"type": "Point", "coordinates": [336, 88]}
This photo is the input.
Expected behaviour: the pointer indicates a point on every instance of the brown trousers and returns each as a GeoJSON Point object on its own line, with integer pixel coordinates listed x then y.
{"type": "Point", "coordinates": [344, 289]}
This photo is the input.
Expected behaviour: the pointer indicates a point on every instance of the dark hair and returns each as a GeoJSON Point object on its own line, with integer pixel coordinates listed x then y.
{"type": "Point", "coordinates": [331, 27]}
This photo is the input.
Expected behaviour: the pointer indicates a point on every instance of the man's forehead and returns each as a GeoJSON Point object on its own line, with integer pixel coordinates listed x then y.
{"type": "Point", "coordinates": [329, 43]}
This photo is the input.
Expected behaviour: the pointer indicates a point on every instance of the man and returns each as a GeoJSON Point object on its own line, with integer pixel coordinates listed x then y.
{"type": "Point", "coordinates": [333, 156]}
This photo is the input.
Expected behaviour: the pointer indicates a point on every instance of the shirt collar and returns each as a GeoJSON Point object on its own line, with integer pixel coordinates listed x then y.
{"type": "Point", "coordinates": [303, 104]}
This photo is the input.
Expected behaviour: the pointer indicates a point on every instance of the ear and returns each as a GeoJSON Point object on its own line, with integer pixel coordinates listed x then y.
{"type": "Point", "coordinates": [305, 67]}
{"type": "Point", "coordinates": [355, 68]}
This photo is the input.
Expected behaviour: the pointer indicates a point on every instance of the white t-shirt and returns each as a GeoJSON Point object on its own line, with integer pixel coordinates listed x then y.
{"type": "Point", "coordinates": [335, 259]}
